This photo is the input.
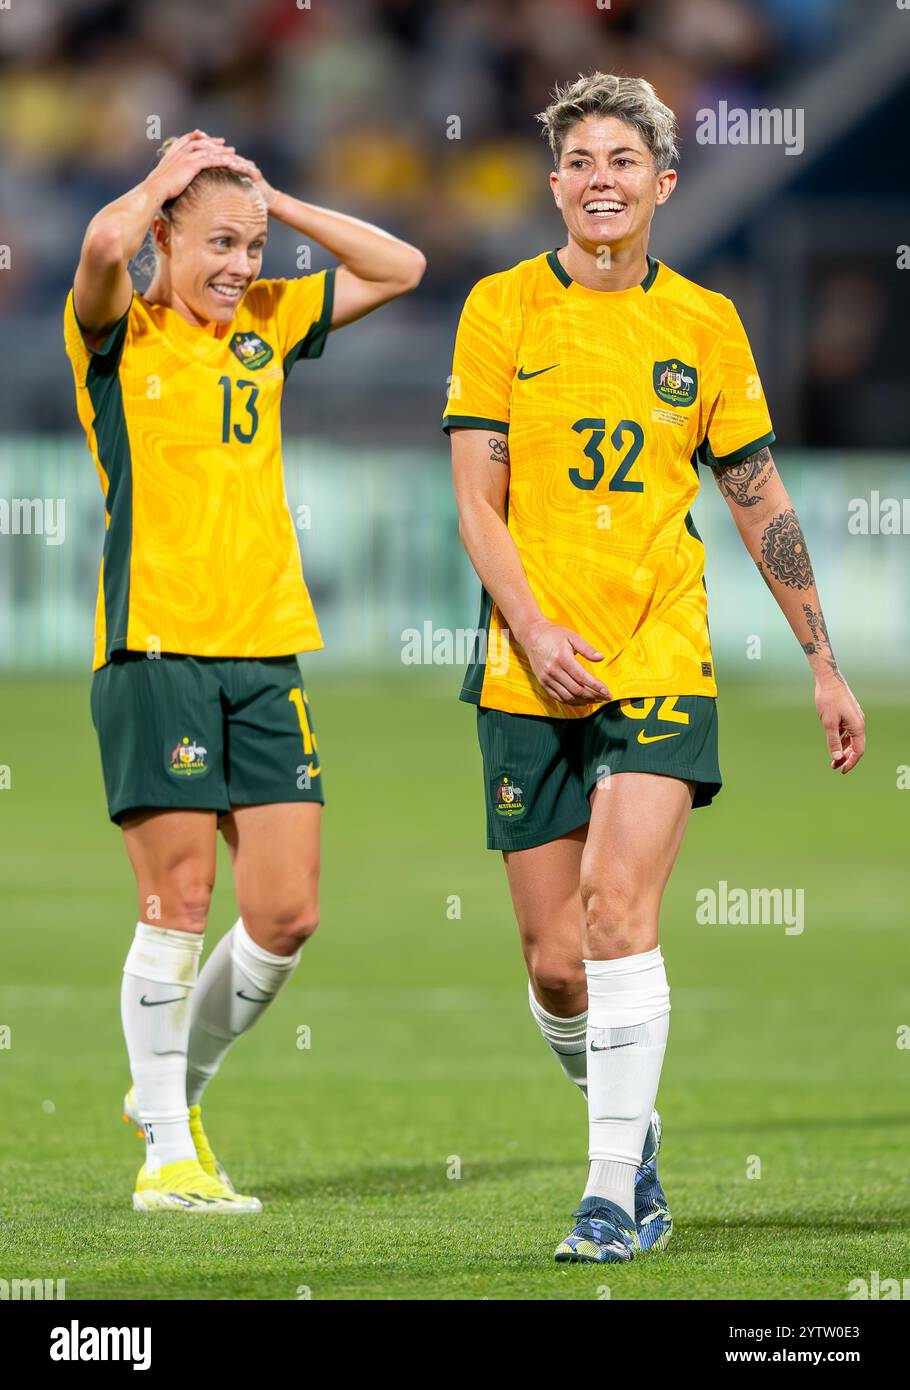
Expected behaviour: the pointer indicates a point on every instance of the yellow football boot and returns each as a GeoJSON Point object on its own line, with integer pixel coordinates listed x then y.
{"type": "Point", "coordinates": [207, 1159]}
{"type": "Point", "coordinates": [204, 1152]}
{"type": "Point", "coordinates": [184, 1186]}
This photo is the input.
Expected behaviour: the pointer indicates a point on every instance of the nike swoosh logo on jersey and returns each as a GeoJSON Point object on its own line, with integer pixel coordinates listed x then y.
{"type": "Point", "coordinates": [526, 376]}
{"type": "Point", "coordinates": [150, 1003]}
{"type": "Point", "coordinates": [251, 1000]}
{"type": "Point", "coordinates": [653, 738]}
{"type": "Point", "coordinates": [612, 1047]}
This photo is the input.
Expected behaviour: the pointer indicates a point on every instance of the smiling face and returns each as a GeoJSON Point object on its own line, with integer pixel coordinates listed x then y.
{"type": "Point", "coordinates": [606, 185]}
{"type": "Point", "coordinates": [212, 251]}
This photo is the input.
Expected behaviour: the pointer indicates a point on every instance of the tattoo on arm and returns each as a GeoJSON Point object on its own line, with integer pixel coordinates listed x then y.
{"type": "Point", "coordinates": [742, 482]}
{"type": "Point", "coordinates": [499, 450]}
{"type": "Point", "coordinates": [785, 553]}
{"type": "Point", "coordinates": [816, 624]}
{"type": "Point", "coordinates": [819, 643]}
{"type": "Point", "coordinates": [785, 557]}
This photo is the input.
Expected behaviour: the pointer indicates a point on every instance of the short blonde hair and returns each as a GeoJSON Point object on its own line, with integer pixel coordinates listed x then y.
{"type": "Point", "coordinates": [629, 99]}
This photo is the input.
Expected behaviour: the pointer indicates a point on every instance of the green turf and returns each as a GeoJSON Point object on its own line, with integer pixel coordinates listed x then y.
{"type": "Point", "coordinates": [423, 1053]}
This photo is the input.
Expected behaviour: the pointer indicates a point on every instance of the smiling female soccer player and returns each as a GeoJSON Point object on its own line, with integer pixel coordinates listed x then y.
{"type": "Point", "coordinates": [586, 382]}
{"type": "Point", "coordinates": [201, 715]}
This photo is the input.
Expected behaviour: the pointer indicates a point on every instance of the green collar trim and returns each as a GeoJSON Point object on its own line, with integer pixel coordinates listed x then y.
{"type": "Point", "coordinates": [653, 268]}
{"type": "Point", "coordinates": [557, 268]}
{"type": "Point", "coordinates": [566, 280]}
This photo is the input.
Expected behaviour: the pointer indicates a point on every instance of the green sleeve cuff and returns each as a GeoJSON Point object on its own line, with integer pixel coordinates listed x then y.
{"type": "Point", "coordinates": [313, 344]}
{"type": "Point", "coordinates": [474, 422]}
{"type": "Point", "coordinates": [114, 339]}
{"type": "Point", "coordinates": [704, 454]}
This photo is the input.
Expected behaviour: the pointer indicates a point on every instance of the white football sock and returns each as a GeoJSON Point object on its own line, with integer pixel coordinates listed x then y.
{"type": "Point", "coordinates": [158, 979]}
{"type": "Point", "coordinates": [236, 985]}
{"type": "Point", "coordinates": [628, 1022]}
{"type": "Point", "coordinates": [567, 1039]}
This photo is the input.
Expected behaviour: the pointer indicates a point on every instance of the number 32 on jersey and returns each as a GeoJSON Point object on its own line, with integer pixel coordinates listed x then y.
{"type": "Point", "coordinates": [627, 440]}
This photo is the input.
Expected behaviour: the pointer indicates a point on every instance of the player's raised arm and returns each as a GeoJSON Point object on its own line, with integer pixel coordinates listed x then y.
{"type": "Point", "coordinates": [767, 522]}
{"type": "Point", "coordinates": [480, 472]}
{"type": "Point", "coordinates": [375, 266]}
{"type": "Point", "coordinates": [102, 288]}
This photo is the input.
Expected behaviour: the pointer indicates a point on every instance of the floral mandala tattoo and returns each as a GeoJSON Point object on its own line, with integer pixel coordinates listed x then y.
{"type": "Point", "coordinates": [785, 553]}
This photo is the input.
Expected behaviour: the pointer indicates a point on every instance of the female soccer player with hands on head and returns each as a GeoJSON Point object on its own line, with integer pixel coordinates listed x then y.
{"type": "Point", "coordinates": [197, 699]}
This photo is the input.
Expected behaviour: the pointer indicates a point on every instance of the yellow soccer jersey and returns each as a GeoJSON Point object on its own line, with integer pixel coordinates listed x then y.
{"type": "Point", "coordinates": [183, 422]}
{"type": "Point", "coordinates": [609, 400]}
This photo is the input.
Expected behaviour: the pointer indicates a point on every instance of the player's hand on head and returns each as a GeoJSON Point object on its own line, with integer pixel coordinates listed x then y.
{"type": "Point", "coordinates": [551, 650]}
{"type": "Point", "coordinates": [186, 156]}
{"type": "Point", "coordinates": [842, 720]}
{"type": "Point", "coordinates": [265, 190]}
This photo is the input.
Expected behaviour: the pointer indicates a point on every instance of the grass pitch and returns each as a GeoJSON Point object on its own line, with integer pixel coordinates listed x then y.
{"type": "Point", "coordinates": [423, 1061]}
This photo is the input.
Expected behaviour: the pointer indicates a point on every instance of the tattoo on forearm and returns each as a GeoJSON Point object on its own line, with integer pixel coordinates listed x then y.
{"type": "Point", "coordinates": [742, 482]}
{"type": "Point", "coordinates": [785, 553]}
{"type": "Point", "coordinates": [819, 643]}
{"type": "Point", "coordinates": [499, 450]}
{"type": "Point", "coordinates": [816, 625]}
{"type": "Point", "coordinates": [786, 559]}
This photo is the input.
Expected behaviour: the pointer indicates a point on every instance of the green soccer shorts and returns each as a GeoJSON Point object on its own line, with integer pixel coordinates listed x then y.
{"type": "Point", "coordinates": [539, 772]}
{"type": "Point", "coordinates": [203, 733]}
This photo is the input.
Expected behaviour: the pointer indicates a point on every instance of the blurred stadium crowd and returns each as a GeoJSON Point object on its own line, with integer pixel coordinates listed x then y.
{"type": "Point", "coordinates": [349, 103]}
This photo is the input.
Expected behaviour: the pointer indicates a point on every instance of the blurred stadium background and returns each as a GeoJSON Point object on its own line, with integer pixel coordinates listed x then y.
{"type": "Point", "coordinates": [349, 103]}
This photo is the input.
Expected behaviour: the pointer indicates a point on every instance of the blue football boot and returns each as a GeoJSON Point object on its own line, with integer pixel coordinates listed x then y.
{"type": "Point", "coordinates": [604, 1235]}
{"type": "Point", "coordinates": [653, 1222]}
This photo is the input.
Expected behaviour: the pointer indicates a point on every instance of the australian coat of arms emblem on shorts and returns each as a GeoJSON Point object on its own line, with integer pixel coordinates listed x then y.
{"type": "Point", "coordinates": [252, 350]}
{"type": "Point", "coordinates": [675, 382]}
{"type": "Point", "coordinates": [508, 798]}
{"type": "Point", "coordinates": [188, 759]}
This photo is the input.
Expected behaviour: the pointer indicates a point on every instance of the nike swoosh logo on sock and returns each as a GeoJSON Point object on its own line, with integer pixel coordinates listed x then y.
{"type": "Point", "coordinates": [611, 1048]}
{"type": "Point", "coordinates": [251, 1000]}
{"type": "Point", "coordinates": [150, 1003]}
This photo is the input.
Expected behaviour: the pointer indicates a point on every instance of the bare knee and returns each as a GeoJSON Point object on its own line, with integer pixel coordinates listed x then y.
{"type": "Point", "coordinates": [282, 929]}
{"type": "Point", "coordinates": [617, 922]}
{"type": "Point", "coordinates": [555, 975]}
{"type": "Point", "coordinates": [182, 904]}
{"type": "Point", "coordinates": [558, 980]}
